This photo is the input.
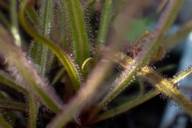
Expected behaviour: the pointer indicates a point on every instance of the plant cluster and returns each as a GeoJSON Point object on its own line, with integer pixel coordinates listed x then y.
{"type": "Point", "coordinates": [54, 63]}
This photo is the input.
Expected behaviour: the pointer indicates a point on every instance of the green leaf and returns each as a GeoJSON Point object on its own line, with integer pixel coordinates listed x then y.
{"type": "Point", "coordinates": [26, 70]}
{"type": "Point", "coordinates": [125, 106]}
{"type": "Point", "coordinates": [106, 18]}
{"type": "Point", "coordinates": [33, 111]}
{"type": "Point", "coordinates": [7, 81]}
{"type": "Point", "coordinates": [152, 43]}
{"type": "Point", "coordinates": [166, 86]}
{"type": "Point", "coordinates": [78, 30]}
{"type": "Point", "coordinates": [8, 104]}
{"type": "Point", "coordinates": [39, 52]}
{"type": "Point", "coordinates": [61, 55]}
{"type": "Point", "coordinates": [14, 22]}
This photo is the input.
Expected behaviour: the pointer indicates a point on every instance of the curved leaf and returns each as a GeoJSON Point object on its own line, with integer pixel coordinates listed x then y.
{"type": "Point", "coordinates": [61, 55]}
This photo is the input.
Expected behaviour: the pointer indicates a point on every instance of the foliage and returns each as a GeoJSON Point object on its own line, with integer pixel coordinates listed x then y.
{"type": "Point", "coordinates": [48, 46]}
